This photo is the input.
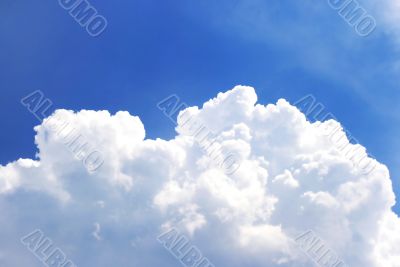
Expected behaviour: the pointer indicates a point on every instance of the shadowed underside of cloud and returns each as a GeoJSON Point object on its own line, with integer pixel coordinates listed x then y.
{"type": "Point", "coordinates": [291, 178]}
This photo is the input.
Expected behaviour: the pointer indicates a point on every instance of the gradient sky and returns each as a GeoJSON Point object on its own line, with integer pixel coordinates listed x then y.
{"type": "Point", "coordinates": [195, 49]}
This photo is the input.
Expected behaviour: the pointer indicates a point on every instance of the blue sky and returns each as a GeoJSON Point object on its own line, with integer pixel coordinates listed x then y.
{"type": "Point", "coordinates": [151, 49]}
{"type": "Point", "coordinates": [197, 49]}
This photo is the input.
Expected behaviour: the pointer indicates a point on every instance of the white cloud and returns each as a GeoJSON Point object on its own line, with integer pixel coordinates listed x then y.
{"type": "Point", "coordinates": [96, 231]}
{"type": "Point", "coordinates": [388, 13]}
{"type": "Point", "coordinates": [284, 186]}
{"type": "Point", "coordinates": [287, 179]}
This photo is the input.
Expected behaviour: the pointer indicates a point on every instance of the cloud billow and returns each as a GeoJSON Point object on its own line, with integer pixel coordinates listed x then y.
{"type": "Point", "coordinates": [291, 179]}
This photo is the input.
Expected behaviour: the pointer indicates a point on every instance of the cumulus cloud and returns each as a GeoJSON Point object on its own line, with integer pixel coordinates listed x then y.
{"type": "Point", "coordinates": [291, 178]}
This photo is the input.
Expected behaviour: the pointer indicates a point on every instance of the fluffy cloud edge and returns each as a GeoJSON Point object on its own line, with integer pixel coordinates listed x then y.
{"type": "Point", "coordinates": [291, 178]}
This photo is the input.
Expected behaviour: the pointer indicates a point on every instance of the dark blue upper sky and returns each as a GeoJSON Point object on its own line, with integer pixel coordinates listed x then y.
{"type": "Point", "coordinates": [196, 49]}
